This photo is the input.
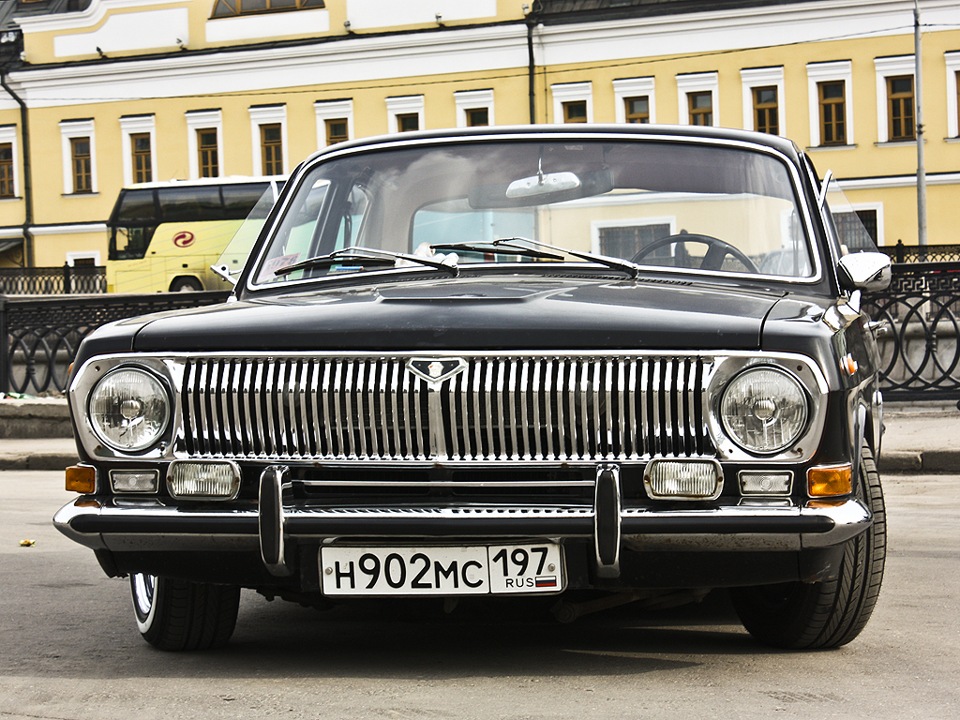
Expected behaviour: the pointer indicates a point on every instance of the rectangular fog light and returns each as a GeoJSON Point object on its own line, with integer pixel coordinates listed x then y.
{"type": "Point", "coordinates": [760, 482]}
{"type": "Point", "coordinates": [203, 480]}
{"type": "Point", "coordinates": [134, 481]}
{"type": "Point", "coordinates": [683, 479]}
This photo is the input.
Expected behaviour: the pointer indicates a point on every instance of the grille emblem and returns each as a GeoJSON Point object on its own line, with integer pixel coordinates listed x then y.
{"type": "Point", "coordinates": [435, 370]}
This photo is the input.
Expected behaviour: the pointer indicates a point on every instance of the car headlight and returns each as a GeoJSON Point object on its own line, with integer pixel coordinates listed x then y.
{"type": "Point", "coordinates": [129, 409]}
{"type": "Point", "coordinates": [764, 409]}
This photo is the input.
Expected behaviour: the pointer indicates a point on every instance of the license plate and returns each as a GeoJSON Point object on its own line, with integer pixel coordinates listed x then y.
{"type": "Point", "coordinates": [441, 570]}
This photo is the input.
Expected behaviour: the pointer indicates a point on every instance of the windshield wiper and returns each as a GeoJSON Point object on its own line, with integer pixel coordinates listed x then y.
{"type": "Point", "coordinates": [362, 256]}
{"type": "Point", "coordinates": [632, 268]}
{"type": "Point", "coordinates": [493, 248]}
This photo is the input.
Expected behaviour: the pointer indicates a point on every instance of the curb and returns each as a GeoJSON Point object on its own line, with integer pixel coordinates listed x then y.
{"type": "Point", "coordinates": [37, 461]}
{"type": "Point", "coordinates": [927, 461]}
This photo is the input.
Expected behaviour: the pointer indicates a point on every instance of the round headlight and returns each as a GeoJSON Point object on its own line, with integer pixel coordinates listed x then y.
{"type": "Point", "coordinates": [764, 410]}
{"type": "Point", "coordinates": [129, 409]}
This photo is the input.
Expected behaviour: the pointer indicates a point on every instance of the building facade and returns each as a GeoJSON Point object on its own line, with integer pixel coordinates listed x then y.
{"type": "Point", "coordinates": [98, 94]}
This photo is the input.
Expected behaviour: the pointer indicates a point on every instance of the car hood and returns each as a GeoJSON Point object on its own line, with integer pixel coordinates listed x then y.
{"type": "Point", "coordinates": [540, 314]}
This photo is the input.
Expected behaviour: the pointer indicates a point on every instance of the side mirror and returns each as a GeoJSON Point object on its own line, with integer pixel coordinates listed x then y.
{"type": "Point", "coordinates": [866, 271]}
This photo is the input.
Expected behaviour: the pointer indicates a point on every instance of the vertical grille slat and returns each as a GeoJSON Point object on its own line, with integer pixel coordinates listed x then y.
{"type": "Point", "coordinates": [559, 408]}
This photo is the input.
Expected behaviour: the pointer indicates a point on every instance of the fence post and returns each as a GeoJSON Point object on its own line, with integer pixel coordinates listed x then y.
{"type": "Point", "coordinates": [5, 349]}
{"type": "Point", "coordinates": [900, 251]}
{"type": "Point", "coordinates": [66, 279]}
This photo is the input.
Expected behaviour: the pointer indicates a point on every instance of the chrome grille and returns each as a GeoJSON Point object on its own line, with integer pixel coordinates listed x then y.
{"type": "Point", "coordinates": [565, 408]}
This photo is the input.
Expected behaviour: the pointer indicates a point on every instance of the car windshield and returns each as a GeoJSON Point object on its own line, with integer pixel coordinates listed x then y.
{"type": "Point", "coordinates": [666, 206]}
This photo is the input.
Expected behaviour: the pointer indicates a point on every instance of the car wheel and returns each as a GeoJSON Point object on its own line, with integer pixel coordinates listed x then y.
{"type": "Point", "coordinates": [186, 284]}
{"type": "Point", "coordinates": [182, 615]}
{"type": "Point", "coordinates": [831, 613]}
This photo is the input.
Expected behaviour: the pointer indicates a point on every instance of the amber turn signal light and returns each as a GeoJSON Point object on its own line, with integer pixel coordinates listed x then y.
{"type": "Point", "coordinates": [830, 481]}
{"type": "Point", "coordinates": [81, 479]}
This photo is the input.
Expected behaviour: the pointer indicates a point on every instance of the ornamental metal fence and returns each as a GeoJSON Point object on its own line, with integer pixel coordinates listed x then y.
{"type": "Point", "coordinates": [43, 333]}
{"type": "Point", "coordinates": [66, 280]}
{"type": "Point", "coordinates": [920, 314]}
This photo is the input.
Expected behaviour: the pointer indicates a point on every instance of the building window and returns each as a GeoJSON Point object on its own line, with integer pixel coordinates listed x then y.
{"type": "Point", "coordinates": [82, 165]}
{"type": "Point", "coordinates": [573, 102]}
{"type": "Point", "coordinates": [230, 8]}
{"type": "Point", "coordinates": [697, 96]}
{"type": "Point", "coordinates": [626, 241]}
{"type": "Point", "coordinates": [700, 108]}
{"type": "Point", "coordinates": [79, 157]}
{"type": "Point", "coordinates": [334, 121]}
{"type": "Point", "coordinates": [208, 153]}
{"type": "Point", "coordinates": [142, 157]}
{"type": "Point", "coordinates": [335, 130]}
{"type": "Point", "coordinates": [833, 113]}
{"type": "Point", "coordinates": [271, 149]}
{"type": "Point", "coordinates": [635, 100]}
{"type": "Point", "coordinates": [268, 132]}
{"type": "Point", "coordinates": [477, 117]}
{"type": "Point", "coordinates": [900, 108]}
{"type": "Point", "coordinates": [474, 108]}
{"type": "Point", "coordinates": [636, 110]}
{"type": "Point", "coordinates": [575, 111]}
{"type": "Point", "coordinates": [765, 110]}
{"type": "Point", "coordinates": [6, 171]}
{"type": "Point", "coordinates": [405, 113]}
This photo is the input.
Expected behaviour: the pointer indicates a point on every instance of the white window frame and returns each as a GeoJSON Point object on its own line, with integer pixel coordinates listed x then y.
{"type": "Point", "coordinates": [69, 130]}
{"type": "Point", "coordinates": [9, 134]}
{"type": "Point", "coordinates": [72, 257]}
{"type": "Point", "coordinates": [203, 120]}
{"type": "Point", "coordinates": [268, 115]}
{"type": "Point", "coordinates": [634, 87]}
{"type": "Point", "coordinates": [829, 72]}
{"type": "Point", "coordinates": [136, 125]}
{"type": "Point", "coordinates": [952, 59]}
{"type": "Point", "coordinates": [693, 83]}
{"type": "Point", "coordinates": [330, 110]}
{"type": "Point", "coordinates": [597, 225]}
{"type": "Point", "coordinates": [473, 100]}
{"type": "Point", "coordinates": [404, 105]}
{"type": "Point", "coordinates": [571, 92]}
{"type": "Point", "coordinates": [751, 78]}
{"type": "Point", "coordinates": [892, 67]}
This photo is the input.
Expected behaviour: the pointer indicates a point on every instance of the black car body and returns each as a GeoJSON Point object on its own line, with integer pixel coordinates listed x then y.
{"type": "Point", "coordinates": [516, 361]}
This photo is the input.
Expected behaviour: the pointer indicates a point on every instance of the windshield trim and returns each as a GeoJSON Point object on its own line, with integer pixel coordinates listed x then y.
{"type": "Point", "coordinates": [387, 143]}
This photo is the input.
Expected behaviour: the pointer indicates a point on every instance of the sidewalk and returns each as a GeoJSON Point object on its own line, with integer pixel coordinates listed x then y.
{"type": "Point", "coordinates": [918, 438]}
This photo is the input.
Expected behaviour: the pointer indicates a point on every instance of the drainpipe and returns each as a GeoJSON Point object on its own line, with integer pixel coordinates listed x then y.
{"type": "Point", "coordinates": [27, 171]}
{"type": "Point", "coordinates": [531, 70]}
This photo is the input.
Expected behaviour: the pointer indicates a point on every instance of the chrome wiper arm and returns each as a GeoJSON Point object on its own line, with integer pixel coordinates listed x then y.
{"type": "Point", "coordinates": [487, 247]}
{"type": "Point", "coordinates": [616, 263]}
{"type": "Point", "coordinates": [362, 255]}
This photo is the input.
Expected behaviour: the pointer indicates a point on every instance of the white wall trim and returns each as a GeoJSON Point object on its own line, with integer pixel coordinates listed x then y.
{"type": "Point", "coordinates": [200, 120]}
{"type": "Point", "coordinates": [472, 100]}
{"type": "Point", "coordinates": [330, 110]}
{"type": "Point", "coordinates": [890, 67]}
{"type": "Point", "coordinates": [70, 129]}
{"type": "Point", "coordinates": [97, 228]}
{"type": "Point", "coordinates": [698, 82]}
{"type": "Point", "coordinates": [763, 77]}
{"type": "Point", "coordinates": [826, 72]}
{"type": "Point", "coordinates": [11, 134]}
{"type": "Point", "coordinates": [134, 125]}
{"type": "Point", "coordinates": [571, 92]}
{"type": "Point", "coordinates": [267, 25]}
{"type": "Point", "coordinates": [952, 60]}
{"type": "Point", "coordinates": [897, 181]}
{"type": "Point", "coordinates": [404, 105]}
{"type": "Point", "coordinates": [268, 115]}
{"type": "Point", "coordinates": [634, 87]}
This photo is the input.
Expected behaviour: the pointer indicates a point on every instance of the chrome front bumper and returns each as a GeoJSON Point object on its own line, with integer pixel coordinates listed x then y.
{"type": "Point", "coordinates": [276, 520]}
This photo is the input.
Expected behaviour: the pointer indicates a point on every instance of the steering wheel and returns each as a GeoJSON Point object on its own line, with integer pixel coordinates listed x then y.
{"type": "Point", "coordinates": [717, 250]}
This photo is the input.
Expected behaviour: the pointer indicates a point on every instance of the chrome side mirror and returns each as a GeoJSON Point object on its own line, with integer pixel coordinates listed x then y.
{"type": "Point", "coordinates": [866, 271]}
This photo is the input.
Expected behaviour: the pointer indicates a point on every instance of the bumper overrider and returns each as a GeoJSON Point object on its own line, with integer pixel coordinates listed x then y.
{"type": "Point", "coordinates": [278, 523]}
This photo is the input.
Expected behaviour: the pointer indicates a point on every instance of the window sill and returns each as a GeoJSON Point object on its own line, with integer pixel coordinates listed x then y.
{"type": "Point", "coordinates": [80, 195]}
{"type": "Point", "coordinates": [821, 148]}
{"type": "Point", "coordinates": [895, 143]}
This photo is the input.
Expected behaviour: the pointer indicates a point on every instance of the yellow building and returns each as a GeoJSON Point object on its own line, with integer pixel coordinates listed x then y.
{"type": "Point", "coordinates": [98, 94]}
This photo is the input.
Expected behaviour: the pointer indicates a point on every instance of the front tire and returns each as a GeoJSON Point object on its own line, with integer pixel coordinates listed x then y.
{"type": "Point", "coordinates": [827, 614]}
{"type": "Point", "coordinates": [183, 615]}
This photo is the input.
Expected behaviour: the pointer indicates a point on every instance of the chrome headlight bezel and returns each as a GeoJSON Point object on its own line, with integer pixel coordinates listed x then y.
{"type": "Point", "coordinates": [801, 373]}
{"type": "Point", "coordinates": [777, 418]}
{"type": "Point", "coordinates": [152, 410]}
